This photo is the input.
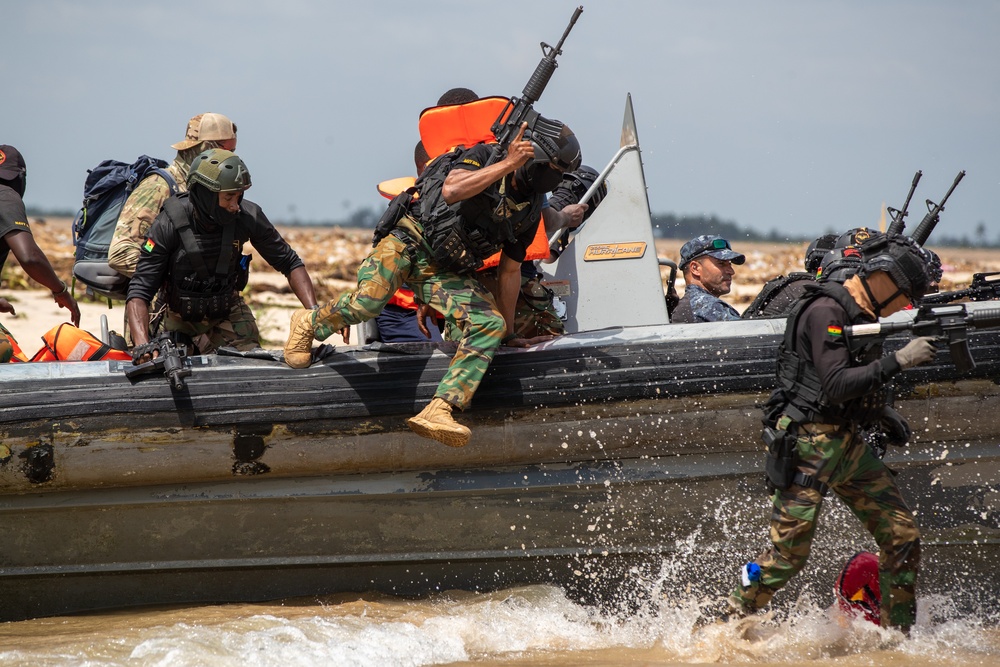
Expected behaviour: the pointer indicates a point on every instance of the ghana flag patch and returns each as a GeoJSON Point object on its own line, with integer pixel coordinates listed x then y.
{"type": "Point", "coordinates": [834, 330]}
{"type": "Point", "coordinates": [148, 245]}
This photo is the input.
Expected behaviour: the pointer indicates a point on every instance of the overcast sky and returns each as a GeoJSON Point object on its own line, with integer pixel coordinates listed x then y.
{"type": "Point", "coordinates": [797, 116]}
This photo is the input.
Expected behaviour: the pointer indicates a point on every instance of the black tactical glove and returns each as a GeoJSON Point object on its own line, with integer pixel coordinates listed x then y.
{"type": "Point", "coordinates": [917, 351]}
{"type": "Point", "coordinates": [897, 431]}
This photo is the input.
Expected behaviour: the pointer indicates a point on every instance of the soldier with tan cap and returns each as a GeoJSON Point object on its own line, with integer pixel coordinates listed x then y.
{"type": "Point", "coordinates": [204, 131]}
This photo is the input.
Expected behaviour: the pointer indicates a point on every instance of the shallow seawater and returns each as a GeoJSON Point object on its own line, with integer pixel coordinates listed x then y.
{"type": "Point", "coordinates": [533, 625]}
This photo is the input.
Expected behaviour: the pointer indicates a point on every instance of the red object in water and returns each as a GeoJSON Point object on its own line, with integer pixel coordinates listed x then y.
{"type": "Point", "coordinates": [857, 588]}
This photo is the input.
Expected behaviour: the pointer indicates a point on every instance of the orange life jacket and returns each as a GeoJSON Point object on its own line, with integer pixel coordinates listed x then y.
{"type": "Point", "coordinates": [404, 299]}
{"type": "Point", "coordinates": [66, 342]}
{"type": "Point", "coordinates": [539, 248]}
{"type": "Point", "coordinates": [443, 128]}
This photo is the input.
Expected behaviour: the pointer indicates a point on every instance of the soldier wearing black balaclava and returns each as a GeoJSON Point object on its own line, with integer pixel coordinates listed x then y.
{"type": "Point", "coordinates": [194, 251]}
{"type": "Point", "coordinates": [470, 206]}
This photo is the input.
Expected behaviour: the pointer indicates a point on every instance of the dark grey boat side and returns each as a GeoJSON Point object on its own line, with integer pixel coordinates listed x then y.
{"type": "Point", "coordinates": [591, 456]}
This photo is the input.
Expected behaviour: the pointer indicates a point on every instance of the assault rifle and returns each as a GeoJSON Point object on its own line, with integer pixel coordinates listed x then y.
{"type": "Point", "coordinates": [897, 215]}
{"type": "Point", "coordinates": [984, 287]}
{"type": "Point", "coordinates": [170, 363]}
{"type": "Point", "coordinates": [930, 220]}
{"type": "Point", "coordinates": [950, 323]}
{"type": "Point", "coordinates": [519, 109]}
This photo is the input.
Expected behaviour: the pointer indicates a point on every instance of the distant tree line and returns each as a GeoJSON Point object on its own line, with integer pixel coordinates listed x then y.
{"type": "Point", "coordinates": [669, 225]}
{"type": "Point", "coordinates": [665, 225]}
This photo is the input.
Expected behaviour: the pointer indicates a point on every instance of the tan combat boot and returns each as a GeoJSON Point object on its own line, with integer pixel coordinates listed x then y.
{"type": "Point", "coordinates": [298, 347]}
{"type": "Point", "coordinates": [435, 422]}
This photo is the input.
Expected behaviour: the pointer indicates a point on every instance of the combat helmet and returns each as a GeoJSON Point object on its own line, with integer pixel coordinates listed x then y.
{"type": "Point", "coordinates": [219, 170]}
{"type": "Point", "coordinates": [844, 260]}
{"type": "Point", "coordinates": [555, 144]}
{"type": "Point", "coordinates": [817, 250]}
{"type": "Point", "coordinates": [914, 270]}
{"type": "Point", "coordinates": [573, 186]}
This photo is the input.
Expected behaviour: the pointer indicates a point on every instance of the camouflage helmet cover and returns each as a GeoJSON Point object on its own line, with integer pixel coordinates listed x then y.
{"type": "Point", "coordinates": [219, 170]}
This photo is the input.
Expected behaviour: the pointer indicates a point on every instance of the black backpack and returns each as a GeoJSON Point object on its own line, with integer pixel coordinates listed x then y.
{"type": "Point", "coordinates": [107, 187]}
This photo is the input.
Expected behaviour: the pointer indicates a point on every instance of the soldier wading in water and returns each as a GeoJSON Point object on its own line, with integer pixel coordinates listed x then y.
{"type": "Point", "coordinates": [827, 393]}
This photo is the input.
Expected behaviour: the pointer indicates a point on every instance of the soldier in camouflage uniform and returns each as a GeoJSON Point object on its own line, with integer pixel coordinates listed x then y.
{"type": "Point", "coordinates": [462, 196]}
{"type": "Point", "coordinates": [827, 393]}
{"type": "Point", "coordinates": [194, 252]}
{"type": "Point", "coordinates": [707, 262]}
{"type": "Point", "coordinates": [204, 131]}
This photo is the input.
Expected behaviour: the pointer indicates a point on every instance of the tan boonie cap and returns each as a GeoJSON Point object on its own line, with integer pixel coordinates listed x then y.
{"type": "Point", "coordinates": [206, 127]}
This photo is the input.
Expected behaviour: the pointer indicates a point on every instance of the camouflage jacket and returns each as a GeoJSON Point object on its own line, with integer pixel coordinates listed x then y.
{"type": "Point", "coordinates": [138, 213]}
{"type": "Point", "coordinates": [697, 305]}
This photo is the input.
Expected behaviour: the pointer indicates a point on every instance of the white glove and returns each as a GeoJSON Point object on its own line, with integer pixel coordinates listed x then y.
{"type": "Point", "coordinates": [917, 351]}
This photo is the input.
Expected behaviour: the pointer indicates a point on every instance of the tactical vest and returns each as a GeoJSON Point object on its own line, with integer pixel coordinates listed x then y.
{"type": "Point", "coordinates": [803, 397]}
{"type": "Point", "coordinates": [194, 292]}
{"type": "Point", "coordinates": [462, 235]}
{"type": "Point", "coordinates": [758, 308]}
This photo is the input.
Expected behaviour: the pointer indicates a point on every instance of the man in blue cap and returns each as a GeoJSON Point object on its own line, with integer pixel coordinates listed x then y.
{"type": "Point", "coordinates": [707, 262]}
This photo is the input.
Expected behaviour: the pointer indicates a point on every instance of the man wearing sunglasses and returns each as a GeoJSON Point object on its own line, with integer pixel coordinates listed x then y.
{"type": "Point", "coordinates": [707, 262]}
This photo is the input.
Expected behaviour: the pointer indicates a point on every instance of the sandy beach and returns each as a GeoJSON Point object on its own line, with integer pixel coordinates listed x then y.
{"type": "Point", "coordinates": [332, 255]}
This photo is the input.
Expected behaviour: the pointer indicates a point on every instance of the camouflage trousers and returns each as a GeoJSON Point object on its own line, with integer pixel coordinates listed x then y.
{"type": "Point", "coordinates": [239, 330]}
{"type": "Point", "coordinates": [838, 458]}
{"type": "Point", "coordinates": [534, 313]}
{"type": "Point", "coordinates": [464, 302]}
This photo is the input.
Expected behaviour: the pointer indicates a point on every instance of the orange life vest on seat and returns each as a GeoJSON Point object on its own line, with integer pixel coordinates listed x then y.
{"type": "Point", "coordinates": [66, 342]}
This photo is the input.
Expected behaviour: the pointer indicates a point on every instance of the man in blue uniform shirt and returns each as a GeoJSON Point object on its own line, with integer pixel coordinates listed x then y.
{"type": "Point", "coordinates": [707, 262]}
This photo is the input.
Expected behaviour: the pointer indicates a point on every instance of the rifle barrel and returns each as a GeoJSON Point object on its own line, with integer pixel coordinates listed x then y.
{"type": "Point", "coordinates": [897, 220]}
{"type": "Point", "coordinates": [572, 22]}
{"type": "Point", "coordinates": [930, 220]}
{"type": "Point", "coordinates": [987, 318]}
{"type": "Point", "coordinates": [533, 90]}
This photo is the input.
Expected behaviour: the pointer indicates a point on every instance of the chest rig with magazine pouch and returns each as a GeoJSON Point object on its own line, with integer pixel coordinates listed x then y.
{"type": "Point", "coordinates": [195, 292]}
{"type": "Point", "coordinates": [463, 234]}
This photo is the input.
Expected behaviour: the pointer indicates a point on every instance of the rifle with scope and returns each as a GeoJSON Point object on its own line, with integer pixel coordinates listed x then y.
{"type": "Point", "coordinates": [949, 323]}
{"type": "Point", "coordinates": [519, 110]}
